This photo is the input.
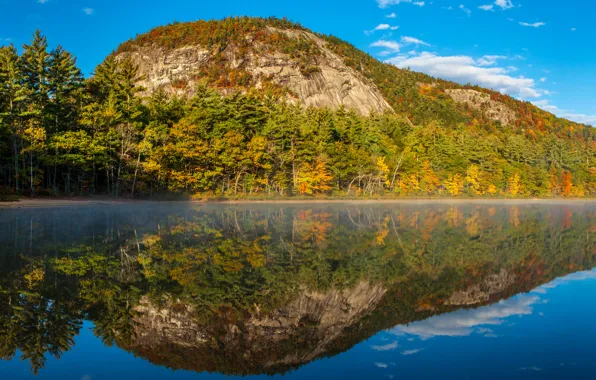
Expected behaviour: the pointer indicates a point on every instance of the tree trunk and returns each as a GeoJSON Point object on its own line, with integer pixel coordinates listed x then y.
{"type": "Point", "coordinates": [31, 174]}
{"type": "Point", "coordinates": [16, 165]}
{"type": "Point", "coordinates": [134, 181]}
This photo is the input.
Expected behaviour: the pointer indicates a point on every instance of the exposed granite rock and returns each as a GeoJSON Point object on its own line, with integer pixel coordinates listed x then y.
{"type": "Point", "coordinates": [482, 102]}
{"type": "Point", "coordinates": [332, 84]}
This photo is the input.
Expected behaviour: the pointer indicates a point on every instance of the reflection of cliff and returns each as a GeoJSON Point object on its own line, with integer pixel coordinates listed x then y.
{"type": "Point", "coordinates": [287, 337]}
{"type": "Point", "coordinates": [314, 325]}
{"type": "Point", "coordinates": [481, 292]}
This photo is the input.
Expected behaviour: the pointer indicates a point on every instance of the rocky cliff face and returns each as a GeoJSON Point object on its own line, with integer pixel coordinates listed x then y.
{"type": "Point", "coordinates": [328, 82]}
{"type": "Point", "coordinates": [482, 102]}
{"type": "Point", "coordinates": [285, 338]}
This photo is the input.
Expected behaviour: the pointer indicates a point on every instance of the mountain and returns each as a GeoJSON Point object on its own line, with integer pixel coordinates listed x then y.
{"type": "Point", "coordinates": [281, 57]}
{"type": "Point", "coordinates": [253, 107]}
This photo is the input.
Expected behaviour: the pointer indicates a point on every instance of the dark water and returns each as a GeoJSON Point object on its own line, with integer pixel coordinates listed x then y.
{"type": "Point", "coordinates": [304, 291]}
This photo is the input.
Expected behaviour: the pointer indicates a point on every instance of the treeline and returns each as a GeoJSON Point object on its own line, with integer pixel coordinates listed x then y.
{"type": "Point", "coordinates": [62, 134]}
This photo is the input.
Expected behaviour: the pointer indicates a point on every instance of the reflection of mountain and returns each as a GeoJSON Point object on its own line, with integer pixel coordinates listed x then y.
{"type": "Point", "coordinates": [289, 336]}
{"type": "Point", "coordinates": [266, 289]}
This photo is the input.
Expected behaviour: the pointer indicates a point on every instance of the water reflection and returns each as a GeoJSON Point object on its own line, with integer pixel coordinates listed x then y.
{"type": "Point", "coordinates": [466, 322]}
{"type": "Point", "coordinates": [266, 289]}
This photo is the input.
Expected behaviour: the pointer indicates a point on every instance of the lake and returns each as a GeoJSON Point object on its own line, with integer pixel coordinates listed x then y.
{"type": "Point", "coordinates": [354, 290]}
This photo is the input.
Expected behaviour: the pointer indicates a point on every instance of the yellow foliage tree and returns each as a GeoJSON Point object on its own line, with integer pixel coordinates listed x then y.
{"type": "Point", "coordinates": [579, 190]}
{"type": "Point", "coordinates": [473, 179]}
{"type": "Point", "coordinates": [515, 184]}
{"type": "Point", "coordinates": [428, 178]}
{"type": "Point", "coordinates": [454, 184]}
{"type": "Point", "coordinates": [492, 189]}
{"type": "Point", "coordinates": [383, 170]}
{"type": "Point", "coordinates": [313, 179]}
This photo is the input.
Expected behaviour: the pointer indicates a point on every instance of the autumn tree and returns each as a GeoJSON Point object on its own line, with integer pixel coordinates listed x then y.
{"type": "Point", "coordinates": [567, 183]}
{"type": "Point", "coordinates": [454, 184]}
{"type": "Point", "coordinates": [313, 178]}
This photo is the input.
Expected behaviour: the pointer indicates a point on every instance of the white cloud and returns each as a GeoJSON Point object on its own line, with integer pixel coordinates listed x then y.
{"type": "Point", "coordinates": [388, 3]}
{"type": "Point", "coordinates": [532, 25]}
{"type": "Point", "coordinates": [88, 11]}
{"type": "Point", "coordinates": [411, 40]}
{"type": "Point", "coordinates": [488, 7]}
{"type": "Point", "coordinates": [381, 27]}
{"type": "Point", "coordinates": [543, 79]}
{"type": "Point", "coordinates": [465, 69]}
{"type": "Point", "coordinates": [504, 4]}
{"type": "Point", "coordinates": [392, 46]}
{"type": "Point", "coordinates": [391, 15]}
{"type": "Point", "coordinates": [386, 347]}
{"type": "Point", "coordinates": [463, 8]}
{"type": "Point", "coordinates": [381, 365]}
{"type": "Point", "coordinates": [489, 60]}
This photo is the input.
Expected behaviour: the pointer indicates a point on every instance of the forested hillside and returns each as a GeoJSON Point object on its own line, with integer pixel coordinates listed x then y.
{"type": "Point", "coordinates": [240, 134]}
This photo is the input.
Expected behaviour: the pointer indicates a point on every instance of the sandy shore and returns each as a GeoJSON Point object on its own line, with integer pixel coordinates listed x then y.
{"type": "Point", "coordinates": [49, 202]}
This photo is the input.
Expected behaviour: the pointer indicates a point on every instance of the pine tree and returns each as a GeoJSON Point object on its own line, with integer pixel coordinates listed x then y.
{"type": "Point", "coordinates": [34, 67]}
{"type": "Point", "coordinates": [12, 106]}
{"type": "Point", "coordinates": [65, 82]}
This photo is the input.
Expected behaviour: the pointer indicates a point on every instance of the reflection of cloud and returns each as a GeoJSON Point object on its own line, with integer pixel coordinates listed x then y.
{"type": "Point", "coordinates": [577, 276]}
{"type": "Point", "coordinates": [381, 365]}
{"type": "Point", "coordinates": [483, 330]}
{"type": "Point", "coordinates": [536, 369]}
{"type": "Point", "coordinates": [487, 333]}
{"type": "Point", "coordinates": [412, 352]}
{"type": "Point", "coordinates": [386, 347]}
{"type": "Point", "coordinates": [464, 322]}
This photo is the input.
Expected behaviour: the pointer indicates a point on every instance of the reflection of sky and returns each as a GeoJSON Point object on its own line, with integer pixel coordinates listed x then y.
{"type": "Point", "coordinates": [465, 322]}
{"type": "Point", "coordinates": [530, 338]}
{"type": "Point", "coordinates": [578, 276]}
{"type": "Point", "coordinates": [547, 332]}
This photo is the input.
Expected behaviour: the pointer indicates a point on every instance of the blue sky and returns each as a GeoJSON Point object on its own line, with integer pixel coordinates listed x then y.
{"type": "Point", "coordinates": [543, 51]}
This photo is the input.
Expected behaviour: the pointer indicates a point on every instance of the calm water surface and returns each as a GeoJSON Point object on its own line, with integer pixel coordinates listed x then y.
{"type": "Point", "coordinates": [301, 291]}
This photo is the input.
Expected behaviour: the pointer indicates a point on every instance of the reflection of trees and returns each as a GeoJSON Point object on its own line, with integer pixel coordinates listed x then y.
{"type": "Point", "coordinates": [226, 265]}
{"type": "Point", "coordinates": [38, 316]}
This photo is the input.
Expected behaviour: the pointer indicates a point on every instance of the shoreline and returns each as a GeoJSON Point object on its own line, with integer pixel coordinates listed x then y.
{"type": "Point", "coordinates": [68, 202]}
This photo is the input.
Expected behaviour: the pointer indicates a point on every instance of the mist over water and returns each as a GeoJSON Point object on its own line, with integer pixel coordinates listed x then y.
{"type": "Point", "coordinates": [369, 290]}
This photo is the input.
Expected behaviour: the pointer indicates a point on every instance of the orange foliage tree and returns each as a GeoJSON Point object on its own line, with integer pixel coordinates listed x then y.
{"type": "Point", "coordinates": [567, 183]}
